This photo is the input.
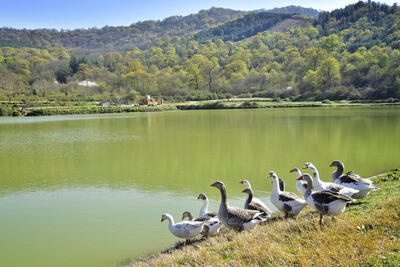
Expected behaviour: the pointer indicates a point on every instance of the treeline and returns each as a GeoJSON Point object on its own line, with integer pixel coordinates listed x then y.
{"type": "Point", "coordinates": [362, 24]}
{"type": "Point", "coordinates": [120, 38]}
{"type": "Point", "coordinates": [310, 12]}
{"type": "Point", "coordinates": [239, 29]}
{"type": "Point", "coordinates": [302, 63]}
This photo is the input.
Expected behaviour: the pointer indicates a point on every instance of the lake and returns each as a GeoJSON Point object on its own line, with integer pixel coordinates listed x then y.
{"type": "Point", "coordinates": [89, 190]}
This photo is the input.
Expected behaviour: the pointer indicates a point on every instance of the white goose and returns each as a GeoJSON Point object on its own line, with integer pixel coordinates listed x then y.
{"type": "Point", "coordinates": [325, 202]}
{"type": "Point", "coordinates": [184, 230]}
{"type": "Point", "coordinates": [300, 185]}
{"type": "Point", "coordinates": [211, 226]}
{"type": "Point", "coordinates": [204, 209]}
{"type": "Point", "coordinates": [252, 203]}
{"type": "Point", "coordinates": [351, 180]}
{"type": "Point", "coordinates": [236, 218]}
{"type": "Point", "coordinates": [320, 185]}
{"type": "Point", "coordinates": [288, 203]}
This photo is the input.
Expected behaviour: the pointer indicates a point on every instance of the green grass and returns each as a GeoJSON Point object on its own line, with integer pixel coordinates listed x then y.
{"type": "Point", "coordinates": [96, 110]}
{"type": "Point", "coordinates": [239, 103]}
{"type": "Point", "coordinates": [367, 234]}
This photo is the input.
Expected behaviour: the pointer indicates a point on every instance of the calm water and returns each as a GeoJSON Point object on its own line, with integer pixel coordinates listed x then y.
{"type": "Point", "coordinates": [90, 190]}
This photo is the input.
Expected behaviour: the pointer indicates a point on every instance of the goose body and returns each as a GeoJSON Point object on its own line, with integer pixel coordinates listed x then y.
{"type": "Point", "coordinates": [252, 203]}
{"type": "Point", "coordinates": [300, 185]}
{"type": "Point", "coordinates": [325, 202]}
{"type": "Point", "coordinates": [211, 225]}
{"type": "Point", "coordinates": [288, 203]}
{"type": "Point", "coordinates": [236, 218]}
{"type": "Point", "coordinates": [320, 185]}
{"type": "Point", "coordinates": [204, 209]}
{"type": "Point", "coordinates": [186, 230]}
{"type": "Point", "coordinates": [351, 180]}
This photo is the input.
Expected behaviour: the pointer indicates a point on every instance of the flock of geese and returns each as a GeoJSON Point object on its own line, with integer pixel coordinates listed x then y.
{"type": "Point", "coordinates": [327, 198]}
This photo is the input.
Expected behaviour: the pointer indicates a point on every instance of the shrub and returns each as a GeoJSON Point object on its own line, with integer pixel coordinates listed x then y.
{"type": "Point", "coordinates": [249, 104]}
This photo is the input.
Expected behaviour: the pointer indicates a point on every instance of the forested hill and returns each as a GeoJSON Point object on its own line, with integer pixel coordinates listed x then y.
{"type": "Point", "coordinates": [118, 38]}
{"type": "Point", "coordinates": [245, 27]}
{"type": "Point", "coordinates": [310, 12]}
{"type": "Point", "coordinates": [362, 24]}
{"type": "Point", "coordinates": [143, 34]}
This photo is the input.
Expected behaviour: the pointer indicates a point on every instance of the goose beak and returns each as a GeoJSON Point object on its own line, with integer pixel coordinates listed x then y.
{"type": "Point", "coordinates": [300, 178]}
{"type": "Point", "coordinates": [244, 190]}
{"type": "Point", "coordinates": [183, 217]}
{"type": "Point", "coordinates": [241, 182]}
{"type": "Point", "coordinates": [305, 166]}
{"type": "Point", "coordinates": [292, 170]}
{"type": "Point", "coordinates": [198, 197]}
{"type": "Point", "coordinates": [331, 165]}
{"type": "Point", "coordinates": [162, 219]}
{"type": "Point", "coordinates": [214, 184]}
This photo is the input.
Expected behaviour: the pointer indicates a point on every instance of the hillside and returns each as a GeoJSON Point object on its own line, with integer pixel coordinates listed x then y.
{"type": "Point", "coordinates": [245, 27]}
{"type": "Point", "coordinates": [362, 24]}
{"type": "Point", "coordinates": [309, 12]}
{"type": "Point", "coordinates": [367, 234]}
{"type": "Point", "coordinates": [119, 38]}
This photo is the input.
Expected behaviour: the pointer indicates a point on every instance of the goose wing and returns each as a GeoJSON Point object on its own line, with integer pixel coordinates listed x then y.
{"type": "Point", "coordinates": [335, 187]}
{"type": "Point", "coordinates": [201, 219]}
{"type": "Point", "coordinates": [238, 216]}
{"type": "Point", "coordinates": [288, 196]}
{"type": "Point", "coordinates": [326, 197]}
{"type": "Point", "coordinates": [211, 214]}
{"type": "Point", "coordinates": [258, 205]}
{"type": "Point", "coordinates": [348, 178]}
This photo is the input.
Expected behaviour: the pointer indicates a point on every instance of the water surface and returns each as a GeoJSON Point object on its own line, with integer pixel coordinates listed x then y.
{"type": "Point", "coordinates": [89, 190]}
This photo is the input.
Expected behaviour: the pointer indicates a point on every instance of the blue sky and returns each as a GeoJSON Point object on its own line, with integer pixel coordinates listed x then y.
{"type": "Point", "coordinates": [72, 14]}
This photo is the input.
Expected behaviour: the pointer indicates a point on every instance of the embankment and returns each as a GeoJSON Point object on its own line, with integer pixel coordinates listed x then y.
{"type": "Point", "coordinates": [367, 234]}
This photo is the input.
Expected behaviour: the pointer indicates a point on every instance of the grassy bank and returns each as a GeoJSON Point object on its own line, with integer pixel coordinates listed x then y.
{"type": "Point", "coordinates": [243, 103]}
{"type": "Point", "coordinates": [96, 110]}
{"type": "Point", "coordinates": [367, 234]}
{"type": "Point", "coordinates": [45, 108]}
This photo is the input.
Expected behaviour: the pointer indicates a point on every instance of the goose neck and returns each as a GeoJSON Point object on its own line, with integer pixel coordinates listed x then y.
{"type": "Point", "coordinates": [339, 171]}
{"type": "Point", "coordinates": [275, 188]}
{"type": "Point", "coordinates": [204, 208]}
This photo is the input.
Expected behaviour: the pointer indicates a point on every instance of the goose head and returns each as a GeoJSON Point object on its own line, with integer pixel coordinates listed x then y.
{"type": "Point", "coordinates": [202, 196]}
{"type": "Point", "coordinates": [337, 163]}
{"type": "Point", "coordinates": [272, 174]}
{"type": "Point", "coordinates": [305, 177]}
{"type": "Point", "coordinates": [187, 214]}
{"type": "Point", "coordinates": [309, 165]}
{"type": "Point", "coordinates": [165, 216]}
{"type": "Point", "coordinates": [219, 185]}
{"type": "Point", "coordinates": [246, 183]}
{"type": "Point", "coordinates": [294, 170]}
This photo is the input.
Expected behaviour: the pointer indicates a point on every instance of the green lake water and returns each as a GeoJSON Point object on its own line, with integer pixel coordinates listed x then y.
{"type": "Point", "coordinates": [90, 190]}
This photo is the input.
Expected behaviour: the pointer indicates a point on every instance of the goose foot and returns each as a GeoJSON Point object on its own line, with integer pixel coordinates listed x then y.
{"type": "Point", "coordinates": [320, 219]}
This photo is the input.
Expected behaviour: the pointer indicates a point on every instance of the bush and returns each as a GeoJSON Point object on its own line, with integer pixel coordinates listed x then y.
{"type": "Point", "coordinates": [326, 101]}
{"type": "Point", "coordinates": [249, 104]}
{"type": "Point", "coordinates": [5, 111]}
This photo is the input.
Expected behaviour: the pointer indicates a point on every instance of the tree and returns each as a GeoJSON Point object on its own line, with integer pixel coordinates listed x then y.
{"type": "Point", "coordinates": [329, 73]}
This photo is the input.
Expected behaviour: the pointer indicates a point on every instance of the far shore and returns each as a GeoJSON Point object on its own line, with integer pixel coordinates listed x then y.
{"type": "Point", "coordinates": [68, 108]}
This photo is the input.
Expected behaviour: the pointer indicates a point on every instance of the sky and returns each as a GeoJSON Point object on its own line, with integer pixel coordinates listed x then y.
{"type": "Point", "coordinates": [73, 14]}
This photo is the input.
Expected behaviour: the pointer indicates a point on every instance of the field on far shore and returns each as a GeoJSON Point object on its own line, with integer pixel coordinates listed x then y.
{"type": "Point", "coordinates": [45, 108]}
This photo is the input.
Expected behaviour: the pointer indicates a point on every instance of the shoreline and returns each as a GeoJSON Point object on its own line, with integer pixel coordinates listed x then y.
{"type": "Point", "coordinates": [236, 103]}
{"type": "Point", "coordinates": [367, 233]}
